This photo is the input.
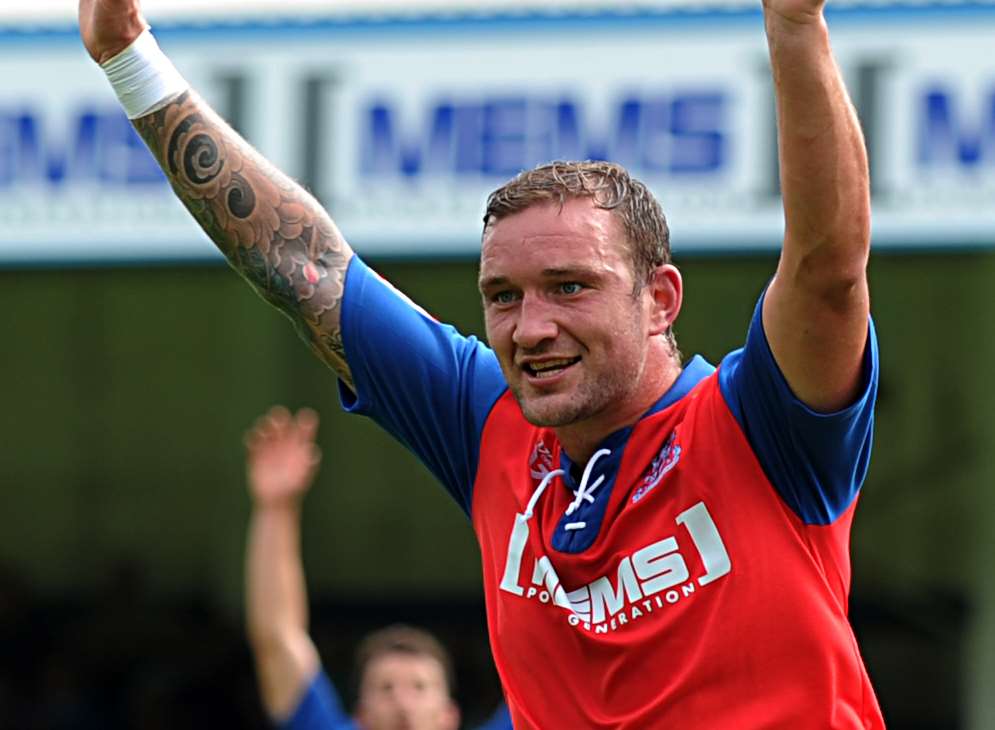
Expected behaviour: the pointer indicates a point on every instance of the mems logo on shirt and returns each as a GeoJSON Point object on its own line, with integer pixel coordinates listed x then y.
{"type": "Point", "coordinates": [647, 580]}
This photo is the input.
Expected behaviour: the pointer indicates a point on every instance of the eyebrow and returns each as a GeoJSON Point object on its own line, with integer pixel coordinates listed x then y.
{"type": "Point", "coordinates": [577, 271]}
{"type": "Point", "coordinates": [491, 282]}
{"type": "Point", "coordinates": [580, 271]}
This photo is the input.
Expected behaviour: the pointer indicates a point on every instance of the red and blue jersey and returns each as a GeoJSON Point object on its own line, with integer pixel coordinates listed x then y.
{"type": "Point", "coordinates": [320, 708]}
{"type": "Point", "coordinates": [702, 576]}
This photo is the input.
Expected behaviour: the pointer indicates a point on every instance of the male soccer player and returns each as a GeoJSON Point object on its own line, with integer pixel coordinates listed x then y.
{"type": "Point", "coordinates": [663, 544]}
{"type": "Point", "coordinates": [404, 674]}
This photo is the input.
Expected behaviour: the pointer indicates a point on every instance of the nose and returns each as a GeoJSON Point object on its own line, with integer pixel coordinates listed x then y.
{"type": "Point", "coordinates": [407, 702]}
{"type": "Point", "coordinates": [535, 323]}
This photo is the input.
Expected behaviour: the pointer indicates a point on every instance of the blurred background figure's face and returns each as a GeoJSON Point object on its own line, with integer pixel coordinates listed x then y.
{"type": "Point", "coordinates": [405, 692]}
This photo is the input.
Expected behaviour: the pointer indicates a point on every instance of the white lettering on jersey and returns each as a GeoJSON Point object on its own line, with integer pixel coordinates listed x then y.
{"type": "Point", "coordinates": [639, 578]}
{"type": "Point", "coordinates": [543, 573]}
{"type": "Point", "coordinates": [599, 597]}
{"type": "Point", "coordinates": [660, 566]}
{"type": "Point", "coordinates": [706, 538]}
{"type": "Point", "coordinates": [513, 563]}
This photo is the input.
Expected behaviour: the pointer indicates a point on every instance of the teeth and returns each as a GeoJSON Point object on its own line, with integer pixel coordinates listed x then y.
{"type": "Point", "coordinates": [549, 365]}
{"type": "Point", "coordinates": [544, 373]}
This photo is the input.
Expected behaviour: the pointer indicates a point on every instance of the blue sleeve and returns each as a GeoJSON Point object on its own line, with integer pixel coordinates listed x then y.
{"type": "Point", "coordinates": [319, 708]}
{"type": "Point", "coordinates": [500, 720]}
{"type": "Point", "coordinates": [816, 461]}
{"type": "Point", "coordinates": [427, 385]}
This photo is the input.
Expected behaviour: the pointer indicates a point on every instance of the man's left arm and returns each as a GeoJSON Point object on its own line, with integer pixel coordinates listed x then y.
{"type": "Point", "coordinates": [815, 312]}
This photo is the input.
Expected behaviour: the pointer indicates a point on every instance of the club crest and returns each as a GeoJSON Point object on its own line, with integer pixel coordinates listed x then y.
{"type": "Point", "coordinates": [666, 460]}
{"type": "Point", "coordinates": [541, 460]}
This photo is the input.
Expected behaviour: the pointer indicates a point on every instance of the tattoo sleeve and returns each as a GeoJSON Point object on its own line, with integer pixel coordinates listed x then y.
{"type": "Point", "coordinates": [271, 230]}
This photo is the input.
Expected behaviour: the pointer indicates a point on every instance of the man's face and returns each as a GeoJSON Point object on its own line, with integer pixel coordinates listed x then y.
{"type": "Point", "coordinates": [401, 691]}
{"type": "Point", "coordinates": [560, 314]}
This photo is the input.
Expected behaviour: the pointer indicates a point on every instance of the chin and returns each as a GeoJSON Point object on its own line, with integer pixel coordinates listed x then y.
{"type": "Point", "coordinates": [550, 415]}
{"type": "Point", "coordinates": [542, 419]}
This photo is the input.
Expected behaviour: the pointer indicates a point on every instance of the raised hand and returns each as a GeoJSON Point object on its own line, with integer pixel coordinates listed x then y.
{"type": "Point", "coordinates": [796, 11]}
{"type": "Point", "coordinates": [107, 27]}
{"type": "Point", "coordinates": [282, 456]}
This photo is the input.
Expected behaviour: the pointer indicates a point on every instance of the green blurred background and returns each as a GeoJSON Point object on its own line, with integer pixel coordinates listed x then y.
{"type": "Point", "coordinates": [127, 393]}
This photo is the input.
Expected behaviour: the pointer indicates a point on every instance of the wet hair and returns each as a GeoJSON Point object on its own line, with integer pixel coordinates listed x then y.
{"type": "Point", "coordinates": [402, 639]}
{"type": "Point", "coordinates": [611, 187]}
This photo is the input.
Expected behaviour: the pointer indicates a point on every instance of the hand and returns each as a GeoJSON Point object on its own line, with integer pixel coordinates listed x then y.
{"type": "Point", "coordinates": [796, 11]}
{"type": "Point", "coordinates": [107, 27]}
{"type": "Point", "coordinates": [282, 456]}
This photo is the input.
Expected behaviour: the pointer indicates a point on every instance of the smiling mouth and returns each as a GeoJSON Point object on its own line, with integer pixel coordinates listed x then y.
{"type": "Point", "coordinates": [548, 368]}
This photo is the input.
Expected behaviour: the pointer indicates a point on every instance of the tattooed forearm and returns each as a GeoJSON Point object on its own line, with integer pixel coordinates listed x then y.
{"type": "Point", "coordinates": [271, 230]}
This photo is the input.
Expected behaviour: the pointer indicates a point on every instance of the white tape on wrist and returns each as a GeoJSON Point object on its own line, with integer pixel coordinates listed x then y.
{"type": "Point", "coordinates": [142, 77]}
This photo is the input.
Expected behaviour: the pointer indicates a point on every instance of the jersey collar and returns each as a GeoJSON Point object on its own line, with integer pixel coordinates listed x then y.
{"type": "Point", "coordinates": [575, 541]}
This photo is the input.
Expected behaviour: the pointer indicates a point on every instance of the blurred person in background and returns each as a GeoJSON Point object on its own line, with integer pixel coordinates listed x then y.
{"type": "Point", "coordinates": [405, 675]}
{"type": "Point", "coordinates": [672, 538]}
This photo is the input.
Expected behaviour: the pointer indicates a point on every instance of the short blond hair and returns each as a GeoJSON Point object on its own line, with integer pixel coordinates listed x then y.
{"type": "Point", "coordinates": [611, 187]}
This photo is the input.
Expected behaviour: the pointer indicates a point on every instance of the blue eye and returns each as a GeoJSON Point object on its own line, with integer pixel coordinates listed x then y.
{"type": "Point", "coordinates": [503, 297]}
{"type": "Point", "coordinates": [571, 287]}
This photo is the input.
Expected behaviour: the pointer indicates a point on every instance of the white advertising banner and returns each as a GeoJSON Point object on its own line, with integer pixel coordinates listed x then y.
{"type": "Point", "coordinates": [402, 126]}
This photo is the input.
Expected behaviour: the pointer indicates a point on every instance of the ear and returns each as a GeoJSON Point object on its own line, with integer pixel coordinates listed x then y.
{"type": "Point", "coordinates": [452, 717]}
{"type": "Point", "coordinates": [666, 293]}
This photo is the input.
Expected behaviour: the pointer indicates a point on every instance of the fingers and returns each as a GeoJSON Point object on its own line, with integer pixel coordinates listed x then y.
{"type": "Point", "coordinates": [118, 6]}
{"type": "Point", "coordinates": [307, 424]}
{"type": "Point", "coordinates": [278, 424]}
{"type": "Point", "coordinates": [107, 27]}
{"type": "Point", "coordinates": [267, 427]}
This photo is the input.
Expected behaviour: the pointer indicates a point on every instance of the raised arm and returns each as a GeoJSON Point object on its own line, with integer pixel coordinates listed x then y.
{"type": "Point", "coordinates": [281, 464]}
{"type": "Point", "coordinates": [816, 308]}
{"type": "Point", "coordinates": [271, 230]}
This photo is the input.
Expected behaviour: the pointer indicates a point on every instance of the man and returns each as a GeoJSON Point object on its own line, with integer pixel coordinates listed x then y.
{"type": "Point", "coordinates": [405, 674]}
{"type": "Point", "coordinates": [662, 545]}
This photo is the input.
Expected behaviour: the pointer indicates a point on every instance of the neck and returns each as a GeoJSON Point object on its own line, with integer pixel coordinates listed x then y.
{"type": "Point", "coordinates": [580, 440]}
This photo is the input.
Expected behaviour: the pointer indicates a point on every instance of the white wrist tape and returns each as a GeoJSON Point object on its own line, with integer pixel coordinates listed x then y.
{"type": "Point", "coordinates": [142, 77]}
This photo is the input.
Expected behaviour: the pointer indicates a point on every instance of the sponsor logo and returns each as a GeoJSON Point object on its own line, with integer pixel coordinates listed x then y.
{"type": "Point", "coordinates": [648, 579]}
{"type": "Point", "coordinates": [684, 132]}
{"type": "Point", "coordinates": [93, 146]}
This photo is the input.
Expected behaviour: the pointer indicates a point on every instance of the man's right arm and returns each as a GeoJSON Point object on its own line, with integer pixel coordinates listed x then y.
{"type": "Point", "coordinates": [271, 230]}
{"type": "Point", "coordinates": [436, 396]}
